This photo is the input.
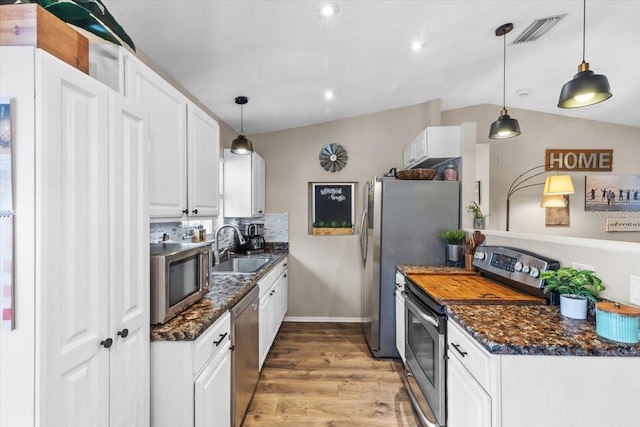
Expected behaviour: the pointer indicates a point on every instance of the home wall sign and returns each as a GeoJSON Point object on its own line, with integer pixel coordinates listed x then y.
{"type": "Point", "coordinates": [332, 207]}
{"type": "Point", "coordinates": [577, 160]}
{"type": "Point", "coordinates": [622, 224]}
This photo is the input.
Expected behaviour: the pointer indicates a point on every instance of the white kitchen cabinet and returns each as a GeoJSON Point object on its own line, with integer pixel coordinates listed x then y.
{"type": "Point", "coordinates": [400, 326]}
{"type": "Point", "coordinates": [185, 146]}
{"type": "Point", "coordinates": [498, 390]}
{"type": "Point", "coordinates": [89, 248]}
{"type": "Point", "coordinates": [192, 379]}
{"type": "Point", "coordinates": [273, 306]}
{"type": "Point", "coordinates": [244, 186]}
{"type": "Point", "coordinates": [203, 152]}
{"type": "Point", "coordinates": [432, 146]}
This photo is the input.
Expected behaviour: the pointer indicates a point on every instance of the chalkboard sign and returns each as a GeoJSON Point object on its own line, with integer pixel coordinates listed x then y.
{"type": "Point", "coordinates": [333, 204]}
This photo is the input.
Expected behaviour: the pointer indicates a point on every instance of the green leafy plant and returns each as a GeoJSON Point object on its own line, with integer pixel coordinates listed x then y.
{"type": "Point", "coordinates": [332, 224]}
{"type": "Point", "coordinates": [453, 237]}
{"type": "Point", "coordinates": [569, 281]}
{"type": "Point", "coordinates": [474, 210]}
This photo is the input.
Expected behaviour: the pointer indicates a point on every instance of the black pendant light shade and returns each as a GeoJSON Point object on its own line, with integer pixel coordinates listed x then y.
{"type": "Point", "coordinates": [586, 87]}
{"type": "Point", "coordinates": [241, 145]}
{"type": "Point", "coordinates": [505, 127]}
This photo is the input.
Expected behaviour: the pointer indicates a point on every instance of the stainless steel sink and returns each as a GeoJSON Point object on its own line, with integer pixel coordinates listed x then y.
{"type": "Point", "coordinates": [240, 265]}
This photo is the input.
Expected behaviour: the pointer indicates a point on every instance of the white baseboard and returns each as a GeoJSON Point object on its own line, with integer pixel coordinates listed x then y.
{"type": "Point", "coordinates": [324, 319]}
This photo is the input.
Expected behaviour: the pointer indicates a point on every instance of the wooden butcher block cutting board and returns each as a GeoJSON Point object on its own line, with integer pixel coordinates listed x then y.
{"type": "Point", "coordinates": [470, 289]}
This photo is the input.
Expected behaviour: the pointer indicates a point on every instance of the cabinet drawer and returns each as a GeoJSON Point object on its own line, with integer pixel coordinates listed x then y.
{"type": "Point", "coordinates": [477, 361]}
{"type": "Point", "coordinates": [211, 342]}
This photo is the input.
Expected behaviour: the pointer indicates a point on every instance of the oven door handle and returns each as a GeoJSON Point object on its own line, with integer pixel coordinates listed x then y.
{"type": "Point", "coordinates": [419, 312]}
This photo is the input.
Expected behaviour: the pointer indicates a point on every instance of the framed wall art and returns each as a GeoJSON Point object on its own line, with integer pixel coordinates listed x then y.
{"type": "Point", "coordinates": [332, 207]}
{"type": "Point", "coordinates": [614, 193]}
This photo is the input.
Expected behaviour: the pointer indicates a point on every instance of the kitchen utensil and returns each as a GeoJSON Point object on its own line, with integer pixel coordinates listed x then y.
{"type": "Point", "coordinates": [478, 238]}
{"type": "Point", "coordinates": [618, 322]}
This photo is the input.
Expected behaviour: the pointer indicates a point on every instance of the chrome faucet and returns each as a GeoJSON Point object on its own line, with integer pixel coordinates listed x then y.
{"type": "Point", "coordinates": [216, 252]}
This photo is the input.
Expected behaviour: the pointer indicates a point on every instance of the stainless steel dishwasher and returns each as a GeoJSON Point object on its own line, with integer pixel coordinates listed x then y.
{"type": "Point", "coordinates": [244, 360]}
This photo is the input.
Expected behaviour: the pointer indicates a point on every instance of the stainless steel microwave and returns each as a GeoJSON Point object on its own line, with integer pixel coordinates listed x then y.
{"type": "Point", "coordinates": [179, 277]}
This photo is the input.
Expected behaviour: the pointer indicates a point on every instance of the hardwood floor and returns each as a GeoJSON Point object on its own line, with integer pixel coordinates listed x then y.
{"type": "Point", "coordinates": [322, 374]}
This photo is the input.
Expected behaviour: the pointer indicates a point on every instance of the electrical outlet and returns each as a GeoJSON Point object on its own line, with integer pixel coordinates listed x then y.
{"type": "Point", "coordinates": [634, 290]}
{"type": "Point", "coordinates": [579, 266]}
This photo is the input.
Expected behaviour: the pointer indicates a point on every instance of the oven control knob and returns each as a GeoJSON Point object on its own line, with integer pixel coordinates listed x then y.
{"type": "Point", "coordinates": [518, 266]}
{"type": "Point", "coordinates": [478, 255]}
{"type": "Point", "coordinates": [526, 268]}
{"type": "Point", "coordinates": [534, 272]}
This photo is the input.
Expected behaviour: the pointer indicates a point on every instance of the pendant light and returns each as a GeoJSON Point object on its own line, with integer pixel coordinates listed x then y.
{"type": "Point", "coordinates": [586, 87]}
{"type": "Point", "coordinates": [505, 127]}
{"type": "Point", "coordinates": [241, 145]}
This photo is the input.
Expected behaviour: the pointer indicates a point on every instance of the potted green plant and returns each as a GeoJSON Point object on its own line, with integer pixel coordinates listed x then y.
{"type": "Point", "coordinates": [478, 216]}
{"type": "Point", "coordinates": [455, 239]}
{"type": "Point", "coordinates": [576, 288]}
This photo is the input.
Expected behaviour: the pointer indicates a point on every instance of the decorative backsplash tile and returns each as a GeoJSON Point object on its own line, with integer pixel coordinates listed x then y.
{"type": "Point", "coordinates": [276, 227]}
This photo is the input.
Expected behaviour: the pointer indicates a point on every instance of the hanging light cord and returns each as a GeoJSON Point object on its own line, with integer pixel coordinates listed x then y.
{"type": "Point", "coordinates": [504, 71]}
{"type": "Point", "coordinates": [584, 26]}
{"type": "Point", "coordinates": [241, 120]}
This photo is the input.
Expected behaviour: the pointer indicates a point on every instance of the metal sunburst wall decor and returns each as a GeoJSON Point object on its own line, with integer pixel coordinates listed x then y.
{"type": "Point", "coordinates": [333, 157]}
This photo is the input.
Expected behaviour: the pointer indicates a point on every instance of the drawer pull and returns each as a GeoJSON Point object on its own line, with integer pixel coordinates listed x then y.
{"type": "Point", "coordinates": [457, 348]}
{"type": "Point", "coordinates": [222, 337]}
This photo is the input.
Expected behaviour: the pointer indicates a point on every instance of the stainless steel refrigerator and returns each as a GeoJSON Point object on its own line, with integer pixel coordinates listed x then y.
{"type": "Point", "coordinates": [400, 225]}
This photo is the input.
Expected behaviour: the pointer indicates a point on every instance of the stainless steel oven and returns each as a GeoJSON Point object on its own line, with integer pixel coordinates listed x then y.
{"type": "Point", "coordinates": [425, 348]}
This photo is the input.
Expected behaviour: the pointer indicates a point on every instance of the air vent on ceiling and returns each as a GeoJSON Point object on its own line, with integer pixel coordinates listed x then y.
{"type": "Point", "coordinates": [537, 29]}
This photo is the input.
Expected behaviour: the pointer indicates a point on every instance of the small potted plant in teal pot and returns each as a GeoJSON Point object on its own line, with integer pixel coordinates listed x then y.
{"type": "Point", "coordinates": [576, 288]}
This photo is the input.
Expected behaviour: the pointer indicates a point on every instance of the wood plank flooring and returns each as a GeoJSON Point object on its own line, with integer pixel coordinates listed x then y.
{"type": "Point", "coordinates": [322, 374]}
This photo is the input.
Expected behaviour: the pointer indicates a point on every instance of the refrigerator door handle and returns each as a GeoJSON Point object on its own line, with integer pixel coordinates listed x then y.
{"type": "Point", "coordinates": [364, 238]}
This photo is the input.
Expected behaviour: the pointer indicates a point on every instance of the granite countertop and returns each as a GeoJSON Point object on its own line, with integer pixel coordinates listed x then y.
{"type": "Point", "coordinates": [226, 291]}
{"type": "Point", "coordinates": [534, 330]}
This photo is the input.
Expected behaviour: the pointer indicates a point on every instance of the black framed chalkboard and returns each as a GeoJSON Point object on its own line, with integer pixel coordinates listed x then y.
{"type": "Point", "coordinates": [333, 204]}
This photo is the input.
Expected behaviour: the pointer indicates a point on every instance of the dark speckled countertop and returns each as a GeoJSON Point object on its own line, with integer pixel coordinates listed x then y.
{"type": "Point", "coordinates": [226, 290]}
{"type": "Point", "coordinates": [527, 329]}
{"type": "Point", "coordinates": [534, 330]}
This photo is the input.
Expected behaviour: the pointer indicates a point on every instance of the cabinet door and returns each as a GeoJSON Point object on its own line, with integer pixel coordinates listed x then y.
{"type": "Point", "coordinates": [265, 326]}
{"type": "Point", "coordinates": [284, 296]}
{"type": "Point", "coordinates": [400, 323]}
{"type": "Point", "coordinates": [468, 403]}
{"type": "Point", "coordinates": [203, 151]}
{"type": "Point", "coordinates": [420, 146]}
{"type": "Point", "coordinates": [167, 134]}
{"type": "Point", "coordinates": [72, 245]}
{"type": "Point", "coordinates": [257, 185]}
{"type": "Point", "coordinates": [129, 266]}
{"type": "Point", "coordinates": [213, 393]}
{"type": "Point", "coordinates": [408, 156]}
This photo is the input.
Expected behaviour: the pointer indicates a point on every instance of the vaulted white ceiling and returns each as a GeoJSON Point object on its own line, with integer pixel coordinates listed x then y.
{"type": "Point", "coordinates": [284, 56]}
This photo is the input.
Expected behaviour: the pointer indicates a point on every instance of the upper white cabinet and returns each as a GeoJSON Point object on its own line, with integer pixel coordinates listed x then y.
{"type": "Point", "coordinates": [203, 150]}
{"type": "Point", "coordinates": [185, 146]}
{"type": "Point", "coordinates": [83, 248]}
{"type": "Point", "coordinates": [432, 146]}
{"type": "Point", "coordinates": [243, 185]}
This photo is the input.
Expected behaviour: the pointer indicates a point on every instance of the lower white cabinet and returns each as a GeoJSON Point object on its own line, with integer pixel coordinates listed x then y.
{"type": "Point", "coordinates": [400, 332]}
{"type": "Point", "coordinates": [274, 289]}
{"type": "Point", "coordinates": [494, 390]}
{"type": "Point", "coordinates": [191, 380]}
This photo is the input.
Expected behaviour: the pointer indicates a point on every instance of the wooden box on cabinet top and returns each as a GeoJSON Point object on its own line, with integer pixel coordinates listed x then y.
{"type": "Point", "coordinates": [32, 25]}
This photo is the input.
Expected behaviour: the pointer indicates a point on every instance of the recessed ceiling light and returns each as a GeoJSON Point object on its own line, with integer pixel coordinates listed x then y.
{"type": "Point", "coordinates": [328, 10]}
{"type": "Point", "coordinates": [329, 94]}
{"type": "Point", "coordinates": [416, 45]}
